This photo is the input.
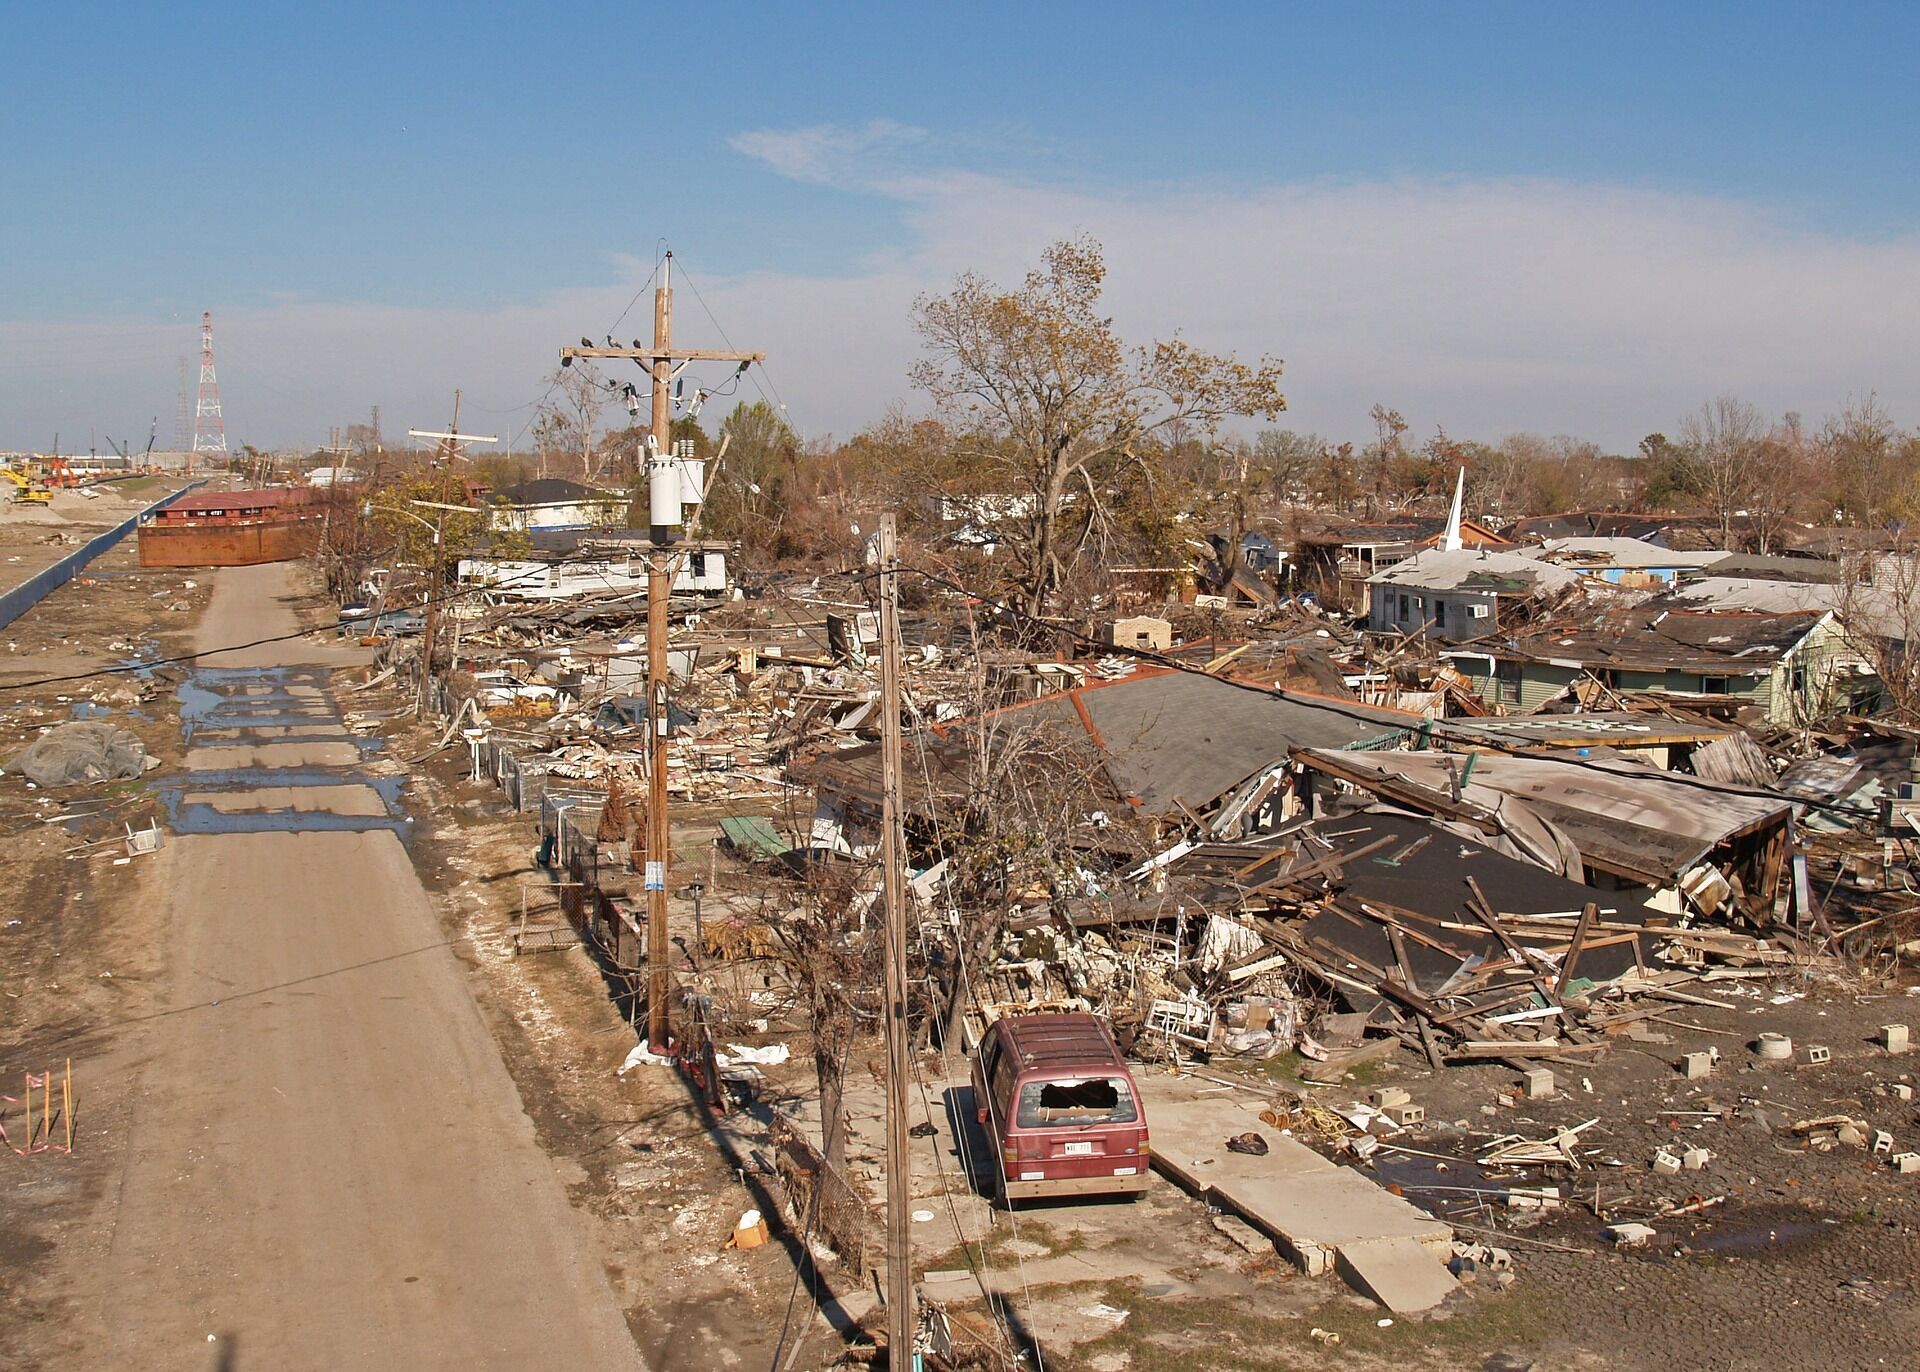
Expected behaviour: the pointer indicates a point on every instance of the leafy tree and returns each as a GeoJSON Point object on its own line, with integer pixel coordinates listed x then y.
{"type": "Point", "coordinates": [750, 491]}
{"type": "Point", "coordinates": [411, 541]}
{"type": "Point", "coordinates": [1043, 393]}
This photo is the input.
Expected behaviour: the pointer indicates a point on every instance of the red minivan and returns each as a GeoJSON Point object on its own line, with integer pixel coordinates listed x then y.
{"type": "Point", "coordinates": [1055, 1096]}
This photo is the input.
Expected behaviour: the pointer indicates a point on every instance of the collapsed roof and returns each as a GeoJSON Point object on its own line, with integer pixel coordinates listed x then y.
{"type": "Point", "coordinates": [1626, 818]}
{"type": "Point", "coordinates": [1163, 739]}
{"type": "Point", "coordinates": [1474, 569]}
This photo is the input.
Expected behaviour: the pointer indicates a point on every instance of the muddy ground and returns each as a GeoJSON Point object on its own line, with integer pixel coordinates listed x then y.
{"type": "Point", "coordinates": [79, 950]}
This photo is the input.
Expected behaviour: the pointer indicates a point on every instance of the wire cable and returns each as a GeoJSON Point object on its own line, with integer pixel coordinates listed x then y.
{"type": "Point", "coordinates": [554, 380]}
{"type": "Point", "coordinates": [779, 405]}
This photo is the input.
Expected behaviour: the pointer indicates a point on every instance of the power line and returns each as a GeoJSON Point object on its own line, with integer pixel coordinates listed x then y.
{"type": "Point", "coordinates": [555, 380]}
{"type": "Point", "coordinates": [779, 404]}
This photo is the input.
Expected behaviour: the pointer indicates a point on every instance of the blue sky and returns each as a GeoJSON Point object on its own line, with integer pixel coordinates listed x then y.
{"type": "Point", "coordinates": [380, 202]}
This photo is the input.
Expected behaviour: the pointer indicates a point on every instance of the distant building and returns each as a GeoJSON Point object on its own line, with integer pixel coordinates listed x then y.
{"type": "Point", "coordinates": [551, 503]}
{"type": "Point", "coordinates": [332, 476]}
{"type": "Point", "coordinates": [1336, 562]}
{"type": "Point", "coordinates": [982, 519]}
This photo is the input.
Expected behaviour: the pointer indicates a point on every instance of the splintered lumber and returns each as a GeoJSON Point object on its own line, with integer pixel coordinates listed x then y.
{"type": "Point", "coordinates": [1588, 913]}
{"type": "Point", "coordinates": [1315, 868]}
{"type": "Point", "coordinates": [1427, 1045]}
{"type": "Point", "coordinates": [1557, 1149]}
{"type": "Point", "coordinates": [1483, 911]}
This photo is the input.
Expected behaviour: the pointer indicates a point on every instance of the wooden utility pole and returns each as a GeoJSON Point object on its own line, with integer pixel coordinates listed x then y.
{"type": "Point", "coordinates": [662, 360]}
{"type": "Point", "coordinates": [893, 856]}
{"type": "Point", "coordinates": [451, 441]}
{"type": "Point", "coordinates": [430, 629]}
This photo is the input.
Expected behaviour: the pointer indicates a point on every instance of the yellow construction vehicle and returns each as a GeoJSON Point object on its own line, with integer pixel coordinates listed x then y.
{"type": "Point", "coordinates": [28, 491]}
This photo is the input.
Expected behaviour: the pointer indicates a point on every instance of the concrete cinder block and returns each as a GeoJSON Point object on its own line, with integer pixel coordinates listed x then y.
{"type": "Point", "coordinates": [1697, 1065]}
{"type": "Point", "coordinates": [1538, 1083]}
{"type": "Point", "coordinates": [1406, 1114]}
{"type": "Point", "coordinates": [1694, 1159]}
{"type": "Point", "coordinates": [1882, 1143]}
{"type": "Point", "coordinates": [1901, 1091]}
{"type": "Point", "coordinates": [1388, 1096]}
{"type": "Point", "coordinates": [1906, 1162]}
{"type": "Point", "coordinates": [1665, 1163]}
{"type": "Point", "coordinates": [1893, 1038]}
{"type": "Point", "coordinates": [1818, 1054]}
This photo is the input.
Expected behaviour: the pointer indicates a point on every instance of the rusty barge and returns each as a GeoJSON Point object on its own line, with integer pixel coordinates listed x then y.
{"type": "Point", "coordinates": [232, 529]}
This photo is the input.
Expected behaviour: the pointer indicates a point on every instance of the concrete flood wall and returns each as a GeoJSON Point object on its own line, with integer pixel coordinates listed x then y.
{"type": "Point", "coordinates": [41, 584]}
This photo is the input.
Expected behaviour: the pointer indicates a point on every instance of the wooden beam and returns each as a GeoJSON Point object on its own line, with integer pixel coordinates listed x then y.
{"type": "Point", "coordinates": [1587, 914]}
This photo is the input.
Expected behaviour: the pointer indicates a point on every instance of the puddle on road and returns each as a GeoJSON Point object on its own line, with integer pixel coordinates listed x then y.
{"type": "Point", "coordinates": [1445, 1184]}
{"type": "Point", "coordinates": [259, 706]}
{"type": "Point", "coordinates": [89, 709]}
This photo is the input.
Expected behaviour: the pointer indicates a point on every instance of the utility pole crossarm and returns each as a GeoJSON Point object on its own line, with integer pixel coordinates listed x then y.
{"type": "Point", "coordinates": [663, 354]}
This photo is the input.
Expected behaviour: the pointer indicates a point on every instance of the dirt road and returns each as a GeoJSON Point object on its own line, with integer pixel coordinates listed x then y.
{"type": "Point", "coordinates": [327, 1164]}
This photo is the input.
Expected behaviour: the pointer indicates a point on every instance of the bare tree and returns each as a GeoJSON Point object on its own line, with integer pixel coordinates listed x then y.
{"type": "Point", "coordinates": [568, 421]}
{"type": "Point", "coordinates": [1288, 459]}
{"type": "Point", "coordinates": [1046, 394]}
{"type": "Point", "coordinates": [1726, 440]}
{"type": "Point", "coordinates": [1879, 614]}
{"type": "Point", "coordinates": [1870, 470]}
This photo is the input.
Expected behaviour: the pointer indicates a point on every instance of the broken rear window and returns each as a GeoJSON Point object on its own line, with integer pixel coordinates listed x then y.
{"type": "Point", "coordinates": [1095, 1100]}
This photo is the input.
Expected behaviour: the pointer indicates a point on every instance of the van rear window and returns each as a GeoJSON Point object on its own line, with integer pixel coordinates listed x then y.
{"type": "Point", "coordinates": [1094, 1100]}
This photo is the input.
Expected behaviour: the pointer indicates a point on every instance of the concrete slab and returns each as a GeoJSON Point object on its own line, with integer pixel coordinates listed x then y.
{"type": "Point", "coordinates": [1399, 1273]}
{"type": "Point", "coordinates": [1313, 1209]}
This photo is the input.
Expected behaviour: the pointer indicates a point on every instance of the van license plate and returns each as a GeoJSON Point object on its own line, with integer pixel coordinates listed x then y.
{"type": "Point", "coordinates": [1079, 1150]}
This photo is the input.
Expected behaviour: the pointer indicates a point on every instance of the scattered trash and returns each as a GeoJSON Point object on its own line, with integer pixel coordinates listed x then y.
{"type": "Point", "coordinates": [750, 1232]}
{"type": "Point", "coordinates": [642, 1056]}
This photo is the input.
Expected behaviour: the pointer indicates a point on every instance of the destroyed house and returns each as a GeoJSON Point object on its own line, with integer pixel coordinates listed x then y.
{"type": "Point", "coordinates": [1677, 532]}
{"type": "Point", "coordinates": [1657, 740]}
{"type": "Point", "coordinates": [1159, 745]}
{"type": "Point", "coordinates": [1773, 663]}
{"type": "Point", "coordinates": [1457, 596]}
{"type": "Point", "coordinates": [1630, 824]}
{"type": "Point", "coordinates": [1381, 896]}
{"type": "Point", "coordinates": [1630, 562]}
{"type": "Point", "coordinates": [1337, 561]}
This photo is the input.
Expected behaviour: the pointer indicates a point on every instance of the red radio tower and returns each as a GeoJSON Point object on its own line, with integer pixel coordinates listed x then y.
{"type": "Point", "coordinates": [209, 428]}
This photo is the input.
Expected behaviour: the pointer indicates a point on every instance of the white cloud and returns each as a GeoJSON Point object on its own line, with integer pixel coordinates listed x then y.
{"type": "Point", "coordinates": [1485, 306]}
{"type": "Point", "coordinates": [829, 154]}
